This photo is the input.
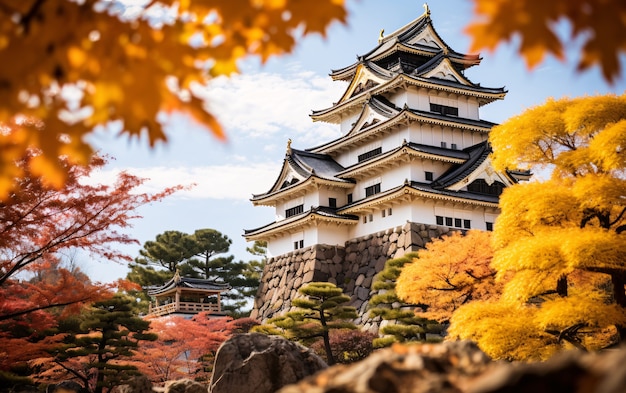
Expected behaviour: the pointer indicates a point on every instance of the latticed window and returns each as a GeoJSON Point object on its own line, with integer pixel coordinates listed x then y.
{"type": "Point", "coordinates": [444, 109]}
{"type": "Point", "coordinates": [371, 190]}
{"type": "Point", "coordinates": [480, 186]}
{"type": "Point", "coordinates": [370, 154]}
{"type": "Point", "coordinates": [294, 210]}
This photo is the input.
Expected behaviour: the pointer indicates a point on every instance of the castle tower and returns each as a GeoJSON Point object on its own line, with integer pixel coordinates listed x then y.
{"type": "Point", "coordinates": [412, 163]}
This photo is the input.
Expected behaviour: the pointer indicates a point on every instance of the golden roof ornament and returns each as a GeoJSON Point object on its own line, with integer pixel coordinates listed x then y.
{"type": "Point", "coordinates": [177, 276]}
{"type": "Point", "coordinates": [289, 146]}
{"type": "Point", "coordinates": [426, 9]}
{"type": "Point", "coordinates": [380, 37]}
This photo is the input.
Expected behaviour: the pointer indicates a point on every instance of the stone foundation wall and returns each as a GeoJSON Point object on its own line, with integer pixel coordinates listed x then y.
{"type": "Point", "coordinates": [351, 268]}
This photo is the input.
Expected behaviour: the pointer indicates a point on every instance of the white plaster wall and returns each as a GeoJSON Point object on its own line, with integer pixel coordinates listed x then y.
{"type": "Point", "coordinates": [472, 108]}
{"type": "Point", "coordinates": [325, 193]}
{"type": "Point", "coordinates": [276, 247]}
{"type": "Point", "coordinates": [347, 121]}
{"type": "Point", "coordinates": [419, 167]}
{"type": "Point", "coordinates": [418, 99]}
{"type": "Point", "coordinates": [332, 234]}
{"type": "Point", "coordinates": [387, 142]}
{"type": "Point", "coordinates": [399, 216]}
{"type": "Point", "coordinates": [398, 98]}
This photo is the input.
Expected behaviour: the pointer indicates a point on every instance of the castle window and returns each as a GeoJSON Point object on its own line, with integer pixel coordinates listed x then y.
{"type": "Point", "coordinates": [389, 212]}
{"type": "Point", "coordinates": [457, 222]}
{"type": "Point", "coordinates": [444, 144]}
{"type": "Point", "coordinates": [364, 219]}
{"type": "Point", "coordinates": [444, 109]}
{"type": "Point", "coordinates": [371, 190]}
{"type": "Point", "coordinates": [480, 186]}
{"type": "Point", "coordinates": [371, 217]}
{"type": "Point", "coordinates": [298, 244]}
{"type": "Point", "coordinates": [370, 154]}
{"type": "Point", "coordinates": [349, 198]}
{"type": "Point", "coordinates": [467, 224]}
{"type": "Point", "coordinates": [429, 176]}
{"type": "Point", "coordinates": [384, 212]}
{"type": "Point", "coordinates": [449, 221]}
{"type": "Point", "coordinates": [294, 210]}
{"type": "Point", "coordinates": [439, 220]}
{"type": "Point", "coordinates": [489, 226]}
{"type": "Point", "coordinates": [453, 146]}
{"type": "Point", "coordinates": [332, 202]}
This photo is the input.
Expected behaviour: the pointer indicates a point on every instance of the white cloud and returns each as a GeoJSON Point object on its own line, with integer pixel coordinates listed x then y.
{"type": "Point", "coordinates": [214, 181]}
{"type": "Point", "coordinates": [265, 105]}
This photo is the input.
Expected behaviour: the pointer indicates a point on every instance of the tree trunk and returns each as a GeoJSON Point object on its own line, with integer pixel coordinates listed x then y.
{"type": "Point", "coordinates": [561, 286]}
{"type": "Point", "coordinates": [329, 352]}
{"type": "Point", "coordinates": [326, 338]}
{"type": "Point", "coordinates": [619, 280]}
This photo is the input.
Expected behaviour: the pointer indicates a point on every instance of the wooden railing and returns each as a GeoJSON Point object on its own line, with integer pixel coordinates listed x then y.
{"type": "Point", "coordinates": [185, 307]}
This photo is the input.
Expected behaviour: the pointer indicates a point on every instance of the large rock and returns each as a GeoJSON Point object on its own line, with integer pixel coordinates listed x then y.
{"type": "Point", "coordinates": [185, 386]}
{"type": "Point", "coordinates": [441, 368]}
{"type": "Point", "coordinates": [567, 372]}
{"type": "Point", "coordinates": [462, 367]}
{"type": "Point", "coordinates": [138, 384]}
{"type": "Point", "coordinates": [258, 363]}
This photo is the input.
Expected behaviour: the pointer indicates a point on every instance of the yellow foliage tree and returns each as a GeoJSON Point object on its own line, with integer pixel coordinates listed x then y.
{"type": "Point", "coordinates": [450, 272]}
{"type": "Point", "coordinates": [563, 240]}
{"type": "Point", "coordinates": [71, 66]}
{"type": "Point", "coordinates": [598, 24]}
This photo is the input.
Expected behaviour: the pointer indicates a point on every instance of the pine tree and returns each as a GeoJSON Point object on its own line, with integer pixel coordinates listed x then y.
{"type": "Point", "coordinates": [320, 312]}
{"type": "Point", "coordinates": [404, 324]}
{"type": "Point", "coordinates": [98, 346]}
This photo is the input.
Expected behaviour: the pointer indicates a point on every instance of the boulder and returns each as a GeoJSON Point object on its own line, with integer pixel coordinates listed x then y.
{"type": "Point", "coordinates": [441, 368]}
{"type": "Point", "coordinates": [572, 371]}
{"type": "Point", "coordinates": [461, 367]}
{"type": "Point", "coordinates": [138, 384]}
{"type": "Point", "coordinates": [255, 362]}
{"type": "Point", "coordinates": [185, 386]}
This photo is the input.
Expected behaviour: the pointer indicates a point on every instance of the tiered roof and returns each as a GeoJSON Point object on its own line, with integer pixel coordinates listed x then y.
{"type": "Point", "coordinates": [195, 284]}
{"type": "Point", "coordinates": [414, 55]}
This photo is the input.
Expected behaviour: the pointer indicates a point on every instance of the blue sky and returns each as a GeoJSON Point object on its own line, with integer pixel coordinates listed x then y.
{"type": "Point", "coordinates": [268, 104]}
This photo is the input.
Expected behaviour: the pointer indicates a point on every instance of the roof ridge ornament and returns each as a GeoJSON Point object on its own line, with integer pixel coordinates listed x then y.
{"type": "Point", "coordinates": [426, 9]}
{"type": "Point", "coordinates": [289, 146]}
{"type": "Point", "coordinates": [381, 35]}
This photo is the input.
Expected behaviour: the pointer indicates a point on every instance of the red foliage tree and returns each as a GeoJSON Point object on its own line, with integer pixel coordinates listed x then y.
{"type": "Point", "coordinates": [185, 348]}
{"type": "Point", "coordinates": [36, 223]}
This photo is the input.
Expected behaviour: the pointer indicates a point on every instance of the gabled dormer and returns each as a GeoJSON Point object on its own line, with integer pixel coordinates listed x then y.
{"type": "Point", "coordinates": [301, 173]}
{"type": "Point", "coordinates": [475, 175]}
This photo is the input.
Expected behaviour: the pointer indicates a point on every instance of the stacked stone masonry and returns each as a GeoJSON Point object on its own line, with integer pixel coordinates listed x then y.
{"type": "Point", "coordinates": [351, 268]}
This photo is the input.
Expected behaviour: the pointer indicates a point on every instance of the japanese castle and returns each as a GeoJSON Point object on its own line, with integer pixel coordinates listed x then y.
{"type": "Point", "coordinates": [413, 149]}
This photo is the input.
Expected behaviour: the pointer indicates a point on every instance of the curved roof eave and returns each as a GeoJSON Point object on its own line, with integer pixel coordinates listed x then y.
{"type": "Point", "coordinates": [419, 190]}
{"type": "Point", "coordinates": [305, 218]}
{"type": "Point", "coordinates": [195, 284]}
{"type": "Point", "coordinates": [267, 199]}
{"type": "Point", "coordinates": [420, 116]}
{"type": "Point", "coordinates": [330, 114]}
{"type": "Point", "coordinates": [410, 149]}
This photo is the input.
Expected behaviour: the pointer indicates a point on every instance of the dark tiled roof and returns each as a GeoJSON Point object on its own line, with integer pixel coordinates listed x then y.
{"type": "Point", "coordinates": [439, 151]}
{"type": "Point", "coordinates": [477, 155]}
{"type": "Point", "coordinates": [473, 87]}
{"type": "Point", "coordinates": [321, 165]}
{"type": "Point", "coordinates": [306, 164]}
{"type": "Point", "coordinates": [458, 194]}
{"type": "Point", "coordinates": [191, 283]}
{"type": "Point", "coordinates": [456, 119]}
{"type": "Point", "coordinates": [317, 210]}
